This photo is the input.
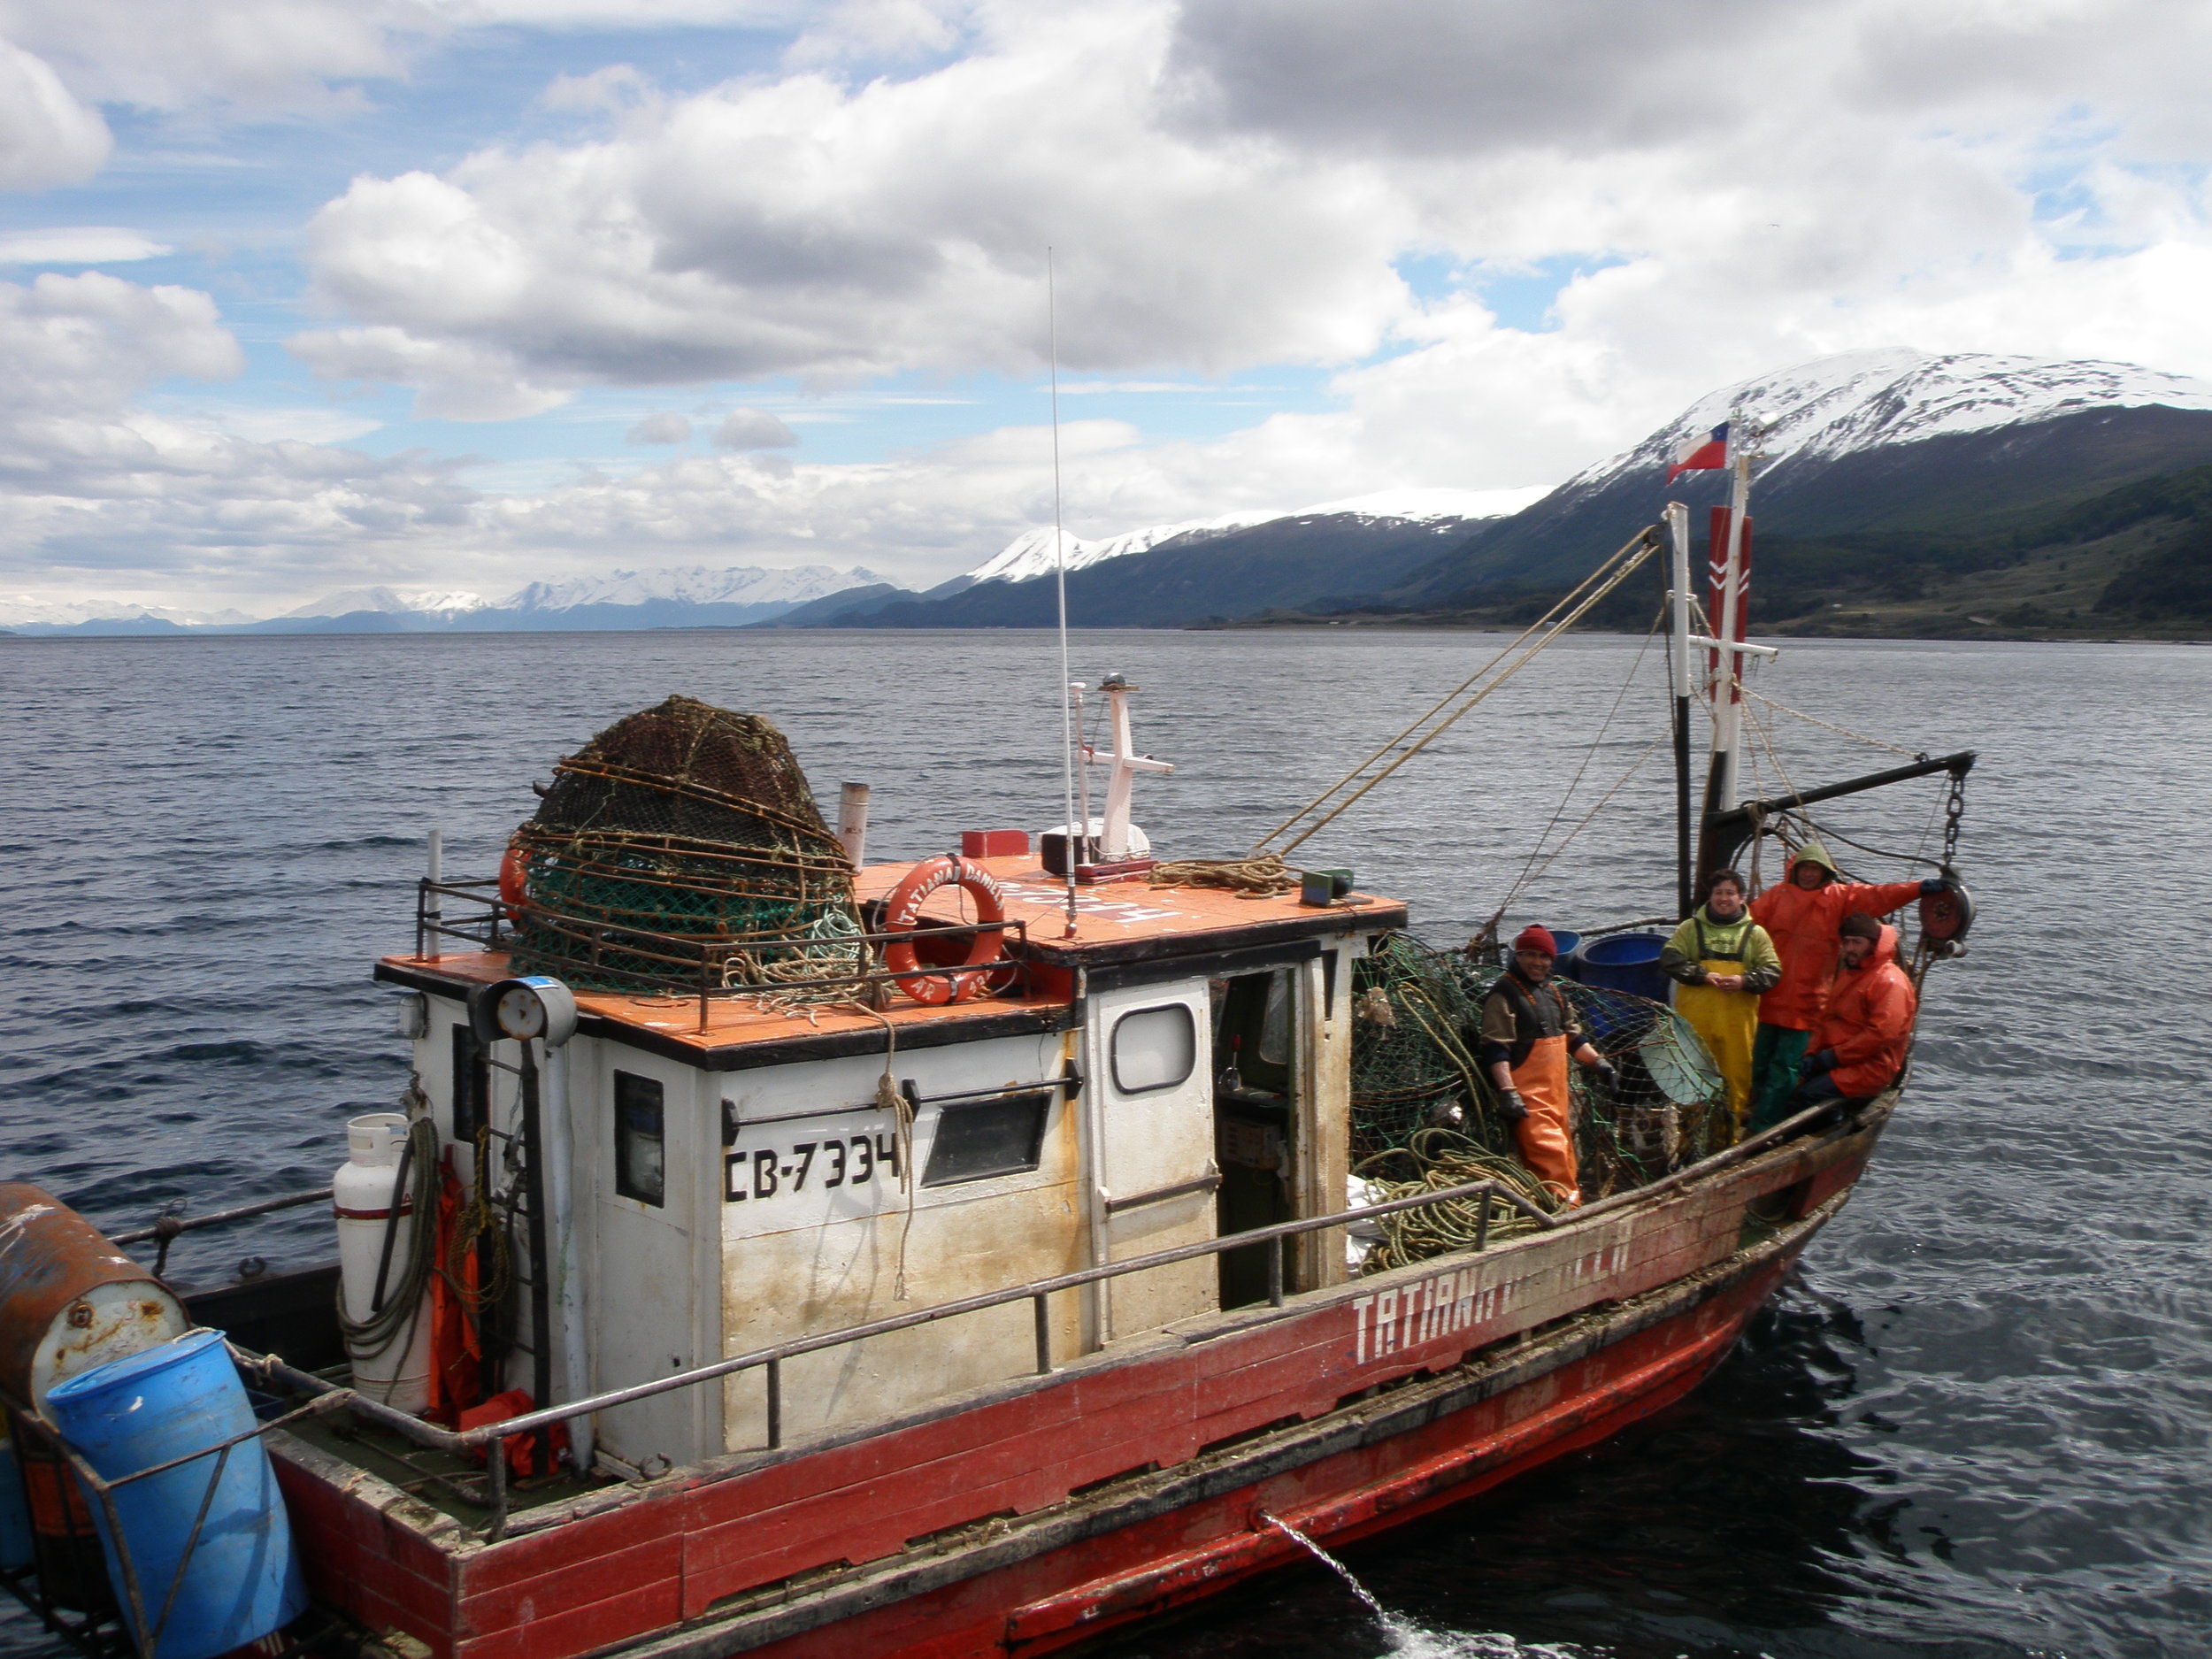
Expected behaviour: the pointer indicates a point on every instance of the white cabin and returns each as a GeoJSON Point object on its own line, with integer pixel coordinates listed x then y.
{"type": "Point", "coordinates": [736, 1175]}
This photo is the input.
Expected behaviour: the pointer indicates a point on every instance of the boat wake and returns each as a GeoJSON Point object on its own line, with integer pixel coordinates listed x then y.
{"type": "Point", "coordinates": [1418, 1641]}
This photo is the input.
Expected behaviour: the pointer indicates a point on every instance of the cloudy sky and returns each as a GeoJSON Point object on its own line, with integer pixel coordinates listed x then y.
{"type": "Point", "coordinates": [297, 294]}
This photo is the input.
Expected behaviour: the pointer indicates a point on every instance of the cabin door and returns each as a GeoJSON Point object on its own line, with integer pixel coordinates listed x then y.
{"type": "Point", "coordinates": [643, 1306]}
{"type": "Point", "coordinates": [1153, 1174]}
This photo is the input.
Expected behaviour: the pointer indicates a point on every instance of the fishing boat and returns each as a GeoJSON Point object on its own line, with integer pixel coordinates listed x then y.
{"type": "Point", "coordinates": [781, 1253]}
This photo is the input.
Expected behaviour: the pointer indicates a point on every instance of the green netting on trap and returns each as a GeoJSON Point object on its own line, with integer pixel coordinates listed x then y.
{"type": "Point", "coordinates": [1416, 1048]}
{"type": "Point", "coordinates": [694, 822]}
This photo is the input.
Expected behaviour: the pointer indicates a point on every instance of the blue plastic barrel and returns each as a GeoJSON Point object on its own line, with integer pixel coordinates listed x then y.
{"type": "Point", "coordinates": [1625, 962]}
{"type": "Point", "coordinates": [1569, 942]}
{"type": "Point", "coordinates": [243, 1579]}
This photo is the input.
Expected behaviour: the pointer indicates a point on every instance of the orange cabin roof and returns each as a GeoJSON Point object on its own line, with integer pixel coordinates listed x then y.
{"type": "Point", "coordinates": [1120, 922]}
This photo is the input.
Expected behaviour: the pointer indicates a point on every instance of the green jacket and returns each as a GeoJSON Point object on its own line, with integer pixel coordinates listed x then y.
{"type": "Point", "coordinates": [1702, 939]}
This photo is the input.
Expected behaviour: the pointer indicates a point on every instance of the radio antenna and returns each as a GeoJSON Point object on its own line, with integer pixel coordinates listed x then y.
{"type": "Point", "coordinates": [1077, 835]}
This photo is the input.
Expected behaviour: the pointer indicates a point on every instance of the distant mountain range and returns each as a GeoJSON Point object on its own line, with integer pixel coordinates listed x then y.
{"type": "Point", "coordinates": [1887, 480]}
{"type": "Point", "coordinates": [1867, 443]}
{"type": "Point", "coordinates": [691, 596]}
{"type": "Point", "coordinates": [1221, 569]}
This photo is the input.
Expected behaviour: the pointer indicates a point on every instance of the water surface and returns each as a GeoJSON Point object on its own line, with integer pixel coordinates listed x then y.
{"type": "Point", "coordinates": [1975, 1425]}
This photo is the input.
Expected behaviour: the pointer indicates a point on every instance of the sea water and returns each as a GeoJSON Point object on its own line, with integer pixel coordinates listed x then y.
{"type": "Point", "coordinates": [1976, 1424]}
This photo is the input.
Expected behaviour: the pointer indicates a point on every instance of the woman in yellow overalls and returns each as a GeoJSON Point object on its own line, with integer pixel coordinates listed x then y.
{"type": "Point", "coordinates": [1721, 960]}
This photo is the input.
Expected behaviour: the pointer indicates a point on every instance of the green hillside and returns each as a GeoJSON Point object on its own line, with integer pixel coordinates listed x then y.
{"type": "Point", "coordinates": [2135, 562]}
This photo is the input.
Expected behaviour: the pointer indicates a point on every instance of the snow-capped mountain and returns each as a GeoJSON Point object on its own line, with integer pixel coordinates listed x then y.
{"type": "Point", "coordinates": [1030, 554]}
{"type": "Point", "coordinates": [392, 601]}
{"type": "Point", "coordinates": [685, 596]}
{"type": "Point", "coordinates": [1237, 565]}
{"type": "Point", "coordinates": [1863, 400]}
{"type": "Point", "coordinates": [692, 585]}
{"type": "Point", "coordinates": [1968, 442]}
{"type": "Point", "coordinates": [22, 610]}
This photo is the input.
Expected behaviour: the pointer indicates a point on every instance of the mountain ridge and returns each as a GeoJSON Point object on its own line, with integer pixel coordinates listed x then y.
{"type": "Point", "coordinates": [1864, 441]}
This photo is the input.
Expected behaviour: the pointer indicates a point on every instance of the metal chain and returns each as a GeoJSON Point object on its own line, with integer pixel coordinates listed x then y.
{"type": "Point", "coordinates": [1953, 809]}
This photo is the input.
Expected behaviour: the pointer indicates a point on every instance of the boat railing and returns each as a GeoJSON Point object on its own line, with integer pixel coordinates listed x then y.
{"type": "Point", "coordinates": [324, 1397]}
{"type": "Point", "coordinates": [171, 1223]}
{"type": "Point", "coordinates": [269, 1372]}
{"type": "Point", "coordinates": [712, 968]}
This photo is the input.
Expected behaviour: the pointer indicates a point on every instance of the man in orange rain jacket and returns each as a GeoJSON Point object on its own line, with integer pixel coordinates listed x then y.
{"type": "Point", "coordinates": [1858, 1047]}
{"type": "Point", "coordinates": [1801, 915]}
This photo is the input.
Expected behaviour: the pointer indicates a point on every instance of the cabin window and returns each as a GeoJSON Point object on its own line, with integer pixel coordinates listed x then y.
{"type": "Point", "coordinates": [1275, 1022]}
{"type": "Point", "coordinates": [471, 1082]}
{"type": "Point", "coordinates": [640, 1164]}
{"type": "Point", "coordinates": [993, 1137]}
{"type": "Point", "coordinates": [1154, 1048]}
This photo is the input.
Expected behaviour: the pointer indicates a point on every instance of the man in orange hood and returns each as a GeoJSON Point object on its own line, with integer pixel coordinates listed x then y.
{"type": "Point", "coordinates": [1801, 915]}
{"type": "Point", "coordinates": [1858, 1047]}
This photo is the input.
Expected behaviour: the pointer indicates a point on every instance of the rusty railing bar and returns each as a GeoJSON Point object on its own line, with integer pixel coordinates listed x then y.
{"type": "Point", "coordinates": [168, 1226]}
{"type": "Point", "coordinates": [191, 1543]}
{"type": "Point", "coordinates": [1042, 1315]}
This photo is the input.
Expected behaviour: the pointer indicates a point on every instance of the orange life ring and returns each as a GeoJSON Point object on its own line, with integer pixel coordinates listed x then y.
{"type": "Point", "coordinates": [904, 910]}
{"type": "Point", "coordinates": [513, 890]}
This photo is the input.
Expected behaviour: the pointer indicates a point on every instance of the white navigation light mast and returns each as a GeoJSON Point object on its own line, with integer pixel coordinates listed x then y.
{"type": "Point", "coordinates": [1728, 711]}
{"type": "Point", "coordinates": [1731, 576]}
{"type": "Point", "coordinates": [1124, 764]}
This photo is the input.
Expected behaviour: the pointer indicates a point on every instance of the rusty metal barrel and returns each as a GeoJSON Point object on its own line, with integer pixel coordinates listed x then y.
{"type": "Point", "coordinates": [69, 1301]}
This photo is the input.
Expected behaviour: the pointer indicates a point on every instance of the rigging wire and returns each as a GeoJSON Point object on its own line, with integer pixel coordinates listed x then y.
{"type": "Point", "coordinates": [1620, 783]}
{"type": "Point", "coordinates": [1842, 730]}
{"type": "Point", "coordinates": [1589, 755]}
{"type": "Point", "coordinates": [1615, 571]}
{"type": "Point", "coordinates": [1077, 835]}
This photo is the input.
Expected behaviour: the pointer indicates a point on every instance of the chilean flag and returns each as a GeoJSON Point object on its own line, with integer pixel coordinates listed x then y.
{"type": "Point", "coordinates": [1701, 453]}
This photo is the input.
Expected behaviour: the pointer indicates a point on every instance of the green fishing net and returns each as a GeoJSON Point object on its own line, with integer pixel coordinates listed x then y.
{"type": "Point", "coordinates": [689, 823]}
{"type": "Point", "coordinates": [1416, 1048]}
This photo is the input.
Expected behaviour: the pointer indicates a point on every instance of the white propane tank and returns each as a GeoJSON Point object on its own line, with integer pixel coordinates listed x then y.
{"type": "Point", "coordinates": [361, 1192]}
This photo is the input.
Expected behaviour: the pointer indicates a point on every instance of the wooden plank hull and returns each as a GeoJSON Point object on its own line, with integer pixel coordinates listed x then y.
{"type": "Point", "coordinates": [1037, 1512]}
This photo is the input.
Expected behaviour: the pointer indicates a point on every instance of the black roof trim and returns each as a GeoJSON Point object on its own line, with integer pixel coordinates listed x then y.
{"type": "Point", "coordinates": [1004, 1019]}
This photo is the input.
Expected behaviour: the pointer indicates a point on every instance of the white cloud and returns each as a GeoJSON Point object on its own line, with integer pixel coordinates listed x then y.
{"type": "Point", "coordinates": [255, 58]}
{"type": "Point", "coordinates": [662, 426]}
{"type": "Point", "coordinates": [753, 429]}
{"type": "Point", "coordinates": [47, 137]}
{"type": "Point", "coordinates": [1227, 184]}
{"type": "Point", "coordinates": [97, 491]}
{"type": "Point", "coordinates": [799, 225]}
{"type": "Point", "coordinates": [78, 244]}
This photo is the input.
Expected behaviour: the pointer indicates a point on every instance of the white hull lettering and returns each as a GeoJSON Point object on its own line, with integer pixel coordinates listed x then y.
{"type": "Point", "coordinates": [1420, 1312]}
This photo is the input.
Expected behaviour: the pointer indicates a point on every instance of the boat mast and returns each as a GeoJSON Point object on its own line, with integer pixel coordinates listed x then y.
{"type": "Point", "coordinates": [1732, 582]}
{"type": "Point", "coordinates": [1679, 681]}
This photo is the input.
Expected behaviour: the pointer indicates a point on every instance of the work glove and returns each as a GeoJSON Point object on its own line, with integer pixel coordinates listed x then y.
{"type": "Point", "coordinates": [1511, 1107]}
{"type": "Point", "coordinates": [1934, 884]}
{"type": "Point", "coordinates": [1607, 1074]}
{"type": "Point", "coordinates": [1817, 1063]}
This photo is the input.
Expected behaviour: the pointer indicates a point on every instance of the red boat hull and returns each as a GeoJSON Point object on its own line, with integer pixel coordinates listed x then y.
{"type": "Point", "coordinates": [1042, 1512]}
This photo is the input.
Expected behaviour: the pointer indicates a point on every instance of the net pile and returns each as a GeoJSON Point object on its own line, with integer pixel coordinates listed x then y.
{"type": "Point", "coordinates": [1416, 1048]}
{"type": "Point", "coordinates": [691, 821]}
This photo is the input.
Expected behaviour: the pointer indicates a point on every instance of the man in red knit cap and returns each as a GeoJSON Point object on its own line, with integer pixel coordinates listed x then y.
{"type": "Point", "coordinates": [1528, 1033]}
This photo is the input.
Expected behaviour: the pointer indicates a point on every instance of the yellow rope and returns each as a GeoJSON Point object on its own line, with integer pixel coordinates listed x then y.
{"type": "Point", "coordinates": [1261, 876]}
